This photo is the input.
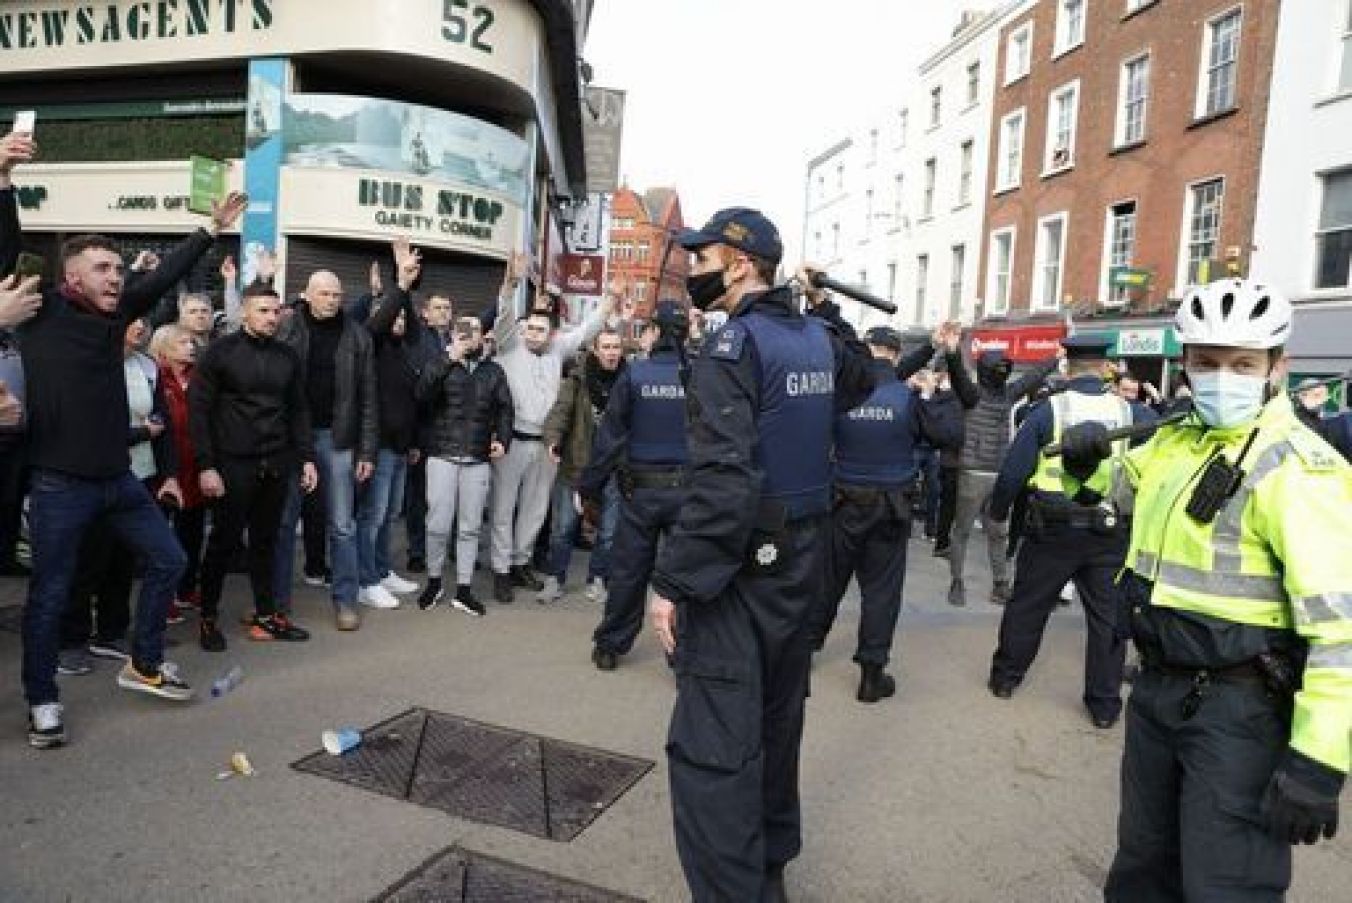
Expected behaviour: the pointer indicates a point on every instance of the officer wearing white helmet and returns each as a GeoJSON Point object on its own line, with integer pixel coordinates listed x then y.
{"type": "Point", "coordinates": [1241, 605]}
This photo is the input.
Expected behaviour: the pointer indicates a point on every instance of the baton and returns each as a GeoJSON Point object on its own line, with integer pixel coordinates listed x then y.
{"type": "Point", "coordinates": [821, 280]}
{"type": "Point", "coordinates": [1131, 431]}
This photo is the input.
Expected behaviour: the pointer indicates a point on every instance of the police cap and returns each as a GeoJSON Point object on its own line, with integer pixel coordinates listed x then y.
{"type": "Point", "coordinates": [883, 337]}
{"type": "Point", "coordinates": [742, 228]}
{"type": "Point", "coordinates": [1087, 346]}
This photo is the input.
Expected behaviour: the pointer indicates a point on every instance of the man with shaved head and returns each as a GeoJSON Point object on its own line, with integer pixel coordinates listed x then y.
{"type": "Point", "coordinates": [340, 386]}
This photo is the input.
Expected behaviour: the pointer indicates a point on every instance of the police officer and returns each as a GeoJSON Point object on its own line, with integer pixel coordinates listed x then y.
{"type": "Point", "coordinates": [1241, 592]}
{"type": "Point", "coordinates": [1076, 529]}
{"type": "Point", "coordinates": [744, 565]}
{"type": "Point", "coordinates": [876, 483]}
{"type": "Point", "coordinates": [642, 434]}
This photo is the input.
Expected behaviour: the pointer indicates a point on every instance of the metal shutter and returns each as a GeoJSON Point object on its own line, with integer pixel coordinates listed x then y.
{"type": "Point", "coordinates": [472, 282]}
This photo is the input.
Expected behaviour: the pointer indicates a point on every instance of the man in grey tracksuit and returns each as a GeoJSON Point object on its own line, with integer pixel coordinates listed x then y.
{"type": "Point", "coordinates": [987, 430]}
{"type": "Point", "coordinates": [531, 353]}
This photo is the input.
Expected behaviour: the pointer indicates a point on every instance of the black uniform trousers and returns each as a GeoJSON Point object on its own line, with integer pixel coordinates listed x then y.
{"type": "Point", "coordinates": [948, 503]}
{"type": "Point", "coordinates": [255, 495]}
{"type": "Point", "coordinates": [1189, 829]}
{"type": "Point", "coordinates": [868, 542]}
{"type": "Point", "coordinates": [415, 508]}
{"type": "Point", "coordinates": [742, 665]}
{"type": "Point", "coordinates": [645, 515]}
{"type": "Point", "coordinates": [1050, 556]}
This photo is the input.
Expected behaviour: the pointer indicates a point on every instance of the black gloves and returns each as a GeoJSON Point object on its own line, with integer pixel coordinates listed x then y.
{"type": "Point", "coordinates": [1083, 447]}
{"type": "Point", "coordinates": [1301, 802]}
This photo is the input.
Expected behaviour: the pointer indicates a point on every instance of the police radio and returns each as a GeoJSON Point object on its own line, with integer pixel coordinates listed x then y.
{"type": "Point", "coordinates": [1219, 482]}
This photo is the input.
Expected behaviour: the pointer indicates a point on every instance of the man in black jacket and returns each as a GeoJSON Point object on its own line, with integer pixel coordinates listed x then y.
{"type": "Point", "coordinates": [251, 431]}
{"type": "Point", "coordinates": [78, 420]}
{"type": "Point", "coordinates": [471, 413]}
{"type": "Point", "coordinates": [340, 389]}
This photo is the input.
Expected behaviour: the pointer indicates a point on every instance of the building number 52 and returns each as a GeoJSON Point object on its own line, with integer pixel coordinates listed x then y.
{"type": "Point", "coordinates": [455, 24]}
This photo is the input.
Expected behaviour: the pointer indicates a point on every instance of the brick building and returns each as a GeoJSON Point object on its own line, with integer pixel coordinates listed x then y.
{"type": "Point", "coordinates": [1125, 134]}
{"type": "Point", "coordinates": [640, 227]}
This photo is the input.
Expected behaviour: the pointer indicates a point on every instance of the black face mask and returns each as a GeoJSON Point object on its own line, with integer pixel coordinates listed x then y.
{"type": "Point", "coordinates": [705, 289]}
{"type": "Point", "coordinates": [473, 354]}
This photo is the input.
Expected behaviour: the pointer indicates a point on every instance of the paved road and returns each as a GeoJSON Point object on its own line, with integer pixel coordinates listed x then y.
{"type": "Point", "coordinates": [942, 794]}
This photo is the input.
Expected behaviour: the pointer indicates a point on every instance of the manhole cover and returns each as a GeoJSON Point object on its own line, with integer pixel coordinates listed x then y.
{"type": "Point", "coordinates": [457, 875]}
{"type": "Point", "coordinates": [484, 773]}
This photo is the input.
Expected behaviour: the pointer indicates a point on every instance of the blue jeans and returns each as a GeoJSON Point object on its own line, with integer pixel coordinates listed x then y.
{"type": "Point", "coordinates": [339, 485]}
{"type": "Point", "coordinates": [378, 507]}
{"type": "Point", "coordinates": [61, 508]}
{"type": "Point", "coordinates": [563, 530]}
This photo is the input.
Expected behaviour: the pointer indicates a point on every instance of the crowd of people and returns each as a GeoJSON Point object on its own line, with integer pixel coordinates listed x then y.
{"type": "Point", "coordinates": [747, 475]}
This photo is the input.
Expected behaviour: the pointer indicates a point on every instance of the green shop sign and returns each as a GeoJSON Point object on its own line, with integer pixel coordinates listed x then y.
{"type": "Point", "coordinates": [1156, 341]}
{"type": "Point", "coordinates": [1130, 277]}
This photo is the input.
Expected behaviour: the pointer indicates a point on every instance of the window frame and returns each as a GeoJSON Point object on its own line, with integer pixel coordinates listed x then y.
{"type": "Point", "coordinates": [1049, 166]}
{"type": "Point", "coordinates": [1024, 31]}
{"type": "Point", "coordinates": [973, 83]}
{"type": "Point", "coordinates": [999, 306]}
{"type": "Point", "coordinates": [957, 278]}
{"type": "Point", "coordinates": [1184, 270]}
{"type": "Point", "coordinates": [1121, 138]}
{"type": "Point", "coordinates": [1202, 103]}
{"type": "Point", "coordinates": [966, 171]}
{"type": "Point", "coordinates": [936, 107]}
{"type": "Point", "coordinates": [931, 188]}
{"type": "Point", "coordinates": [1035, 300]}
{"type": "Point", "coordinates": [1321, 231]}
{"type": "Point", "coordinates": [922, 268]}
{"type": "Point", "coordinates": [1108, 295]}
{"type": "Point", "coordinates": [1003, 155]}
{"type": "Point", "coordinates": [1062, 43]}
{"type": "Point", "coordinates": [1342, 79]}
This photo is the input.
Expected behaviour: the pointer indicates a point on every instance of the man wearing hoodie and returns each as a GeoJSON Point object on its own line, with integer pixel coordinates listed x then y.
{"type": "Point", "coordinates": [988, 403]}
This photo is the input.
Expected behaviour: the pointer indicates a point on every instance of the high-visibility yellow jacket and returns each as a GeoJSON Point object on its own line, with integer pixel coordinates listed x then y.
{"type": "Point", "coordinates": [1277, 556]}
{"type": "Point", "coordinates": [1072, 408]}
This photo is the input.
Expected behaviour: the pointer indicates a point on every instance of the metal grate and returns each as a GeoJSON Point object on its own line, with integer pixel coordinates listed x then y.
{"type": "Point", "coordinates": [457, 875]}
{"type": "Point", "coordinates": [484, 773]}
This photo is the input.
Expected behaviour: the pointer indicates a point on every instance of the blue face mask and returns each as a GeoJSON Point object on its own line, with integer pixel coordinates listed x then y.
{"type": "Point", "coordinates": [1224, 399]}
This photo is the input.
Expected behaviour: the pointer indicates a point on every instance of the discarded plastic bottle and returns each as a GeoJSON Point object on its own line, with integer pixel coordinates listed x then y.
{"type": "Point", "coordinates": [224, 684]}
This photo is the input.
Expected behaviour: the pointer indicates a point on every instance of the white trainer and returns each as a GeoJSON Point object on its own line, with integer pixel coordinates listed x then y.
{"type": "Point", "coordinates": [45, 729]}
{"type": "Point", "coordinates": [596, 590]}
{"type": "Point", "coordinates": [552, 592]}
{"type": "Point", "coordinates": [376, 596]}
{"type": "Point", "coordinates": [396, 584]}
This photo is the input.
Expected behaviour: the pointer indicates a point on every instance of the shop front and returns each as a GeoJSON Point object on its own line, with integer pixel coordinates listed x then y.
{"type": "Point", "coordinates": [1023, 345]}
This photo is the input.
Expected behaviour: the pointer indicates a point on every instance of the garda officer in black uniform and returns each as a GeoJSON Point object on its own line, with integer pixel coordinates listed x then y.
{"type": "Point", "coordinates": [1076, 530]}
{"type": "Point", "coordinates": [736, 582]}
{"type": "Point", "coordinates": [876, 483]}
{"type": "Point", "coordinates": [643, 434]}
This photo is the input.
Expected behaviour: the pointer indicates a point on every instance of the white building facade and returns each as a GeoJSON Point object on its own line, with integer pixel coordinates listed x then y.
{"type": "Point", "coordinates": [1303, 233]}
{"type": "Point", "coordinates": [898, 206]}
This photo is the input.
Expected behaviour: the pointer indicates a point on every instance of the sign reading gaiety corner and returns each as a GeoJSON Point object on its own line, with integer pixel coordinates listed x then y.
{"type": "Point", "coordinates": [57, 27]}
{"type": "Point", "coordinates": [420, 209]}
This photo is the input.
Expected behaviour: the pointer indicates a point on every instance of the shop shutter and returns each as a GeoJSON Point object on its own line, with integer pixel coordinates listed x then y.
{"type": "Point", "coordinates": [471, 282]}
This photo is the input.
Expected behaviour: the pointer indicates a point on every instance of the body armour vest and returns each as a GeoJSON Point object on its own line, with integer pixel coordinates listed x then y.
{"type": "Point", "coordinates": [657, 416]}
{"type": "Point", "coordinates": [797, 411]}
{"type": "Point", "coordinates": [875, 443]}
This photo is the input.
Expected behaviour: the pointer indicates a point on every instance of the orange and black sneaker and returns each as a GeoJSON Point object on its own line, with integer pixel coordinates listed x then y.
{"type": "Point", "coordinates": [162, 681]}
{"type": "Point", "coordinates": [277, 627]}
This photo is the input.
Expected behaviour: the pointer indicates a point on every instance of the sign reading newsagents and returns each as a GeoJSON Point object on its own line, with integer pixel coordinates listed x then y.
{"type": "Point", "coordinates": [208, 184]}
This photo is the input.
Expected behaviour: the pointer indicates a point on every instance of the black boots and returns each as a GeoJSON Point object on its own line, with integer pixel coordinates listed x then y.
{"type": "Point", "coordinates": [874, 683]}
{"type": "Point", "coordinates": [502, 589]}
{"type": "Point", "coordinates": [523, 577]}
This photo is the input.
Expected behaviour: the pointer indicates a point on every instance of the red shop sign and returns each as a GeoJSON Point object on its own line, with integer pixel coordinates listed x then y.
{"type": "Point", "coordinates": [1021, 344]}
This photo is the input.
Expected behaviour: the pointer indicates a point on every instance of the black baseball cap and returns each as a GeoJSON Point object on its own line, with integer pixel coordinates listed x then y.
{"type": "Point", "coordinates": [883, 337]}
{"type": "Point", "coordinates": [737, 227]}
{"type": "Point", "coordinates": [1087, 346]}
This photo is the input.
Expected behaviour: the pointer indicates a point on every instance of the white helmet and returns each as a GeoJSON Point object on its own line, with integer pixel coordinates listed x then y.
{"type": "Point", "coordinates": [1234, 313]}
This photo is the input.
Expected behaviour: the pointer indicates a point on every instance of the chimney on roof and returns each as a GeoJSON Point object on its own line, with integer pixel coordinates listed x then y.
{"type": "Point", "coordinates": [968, 18]}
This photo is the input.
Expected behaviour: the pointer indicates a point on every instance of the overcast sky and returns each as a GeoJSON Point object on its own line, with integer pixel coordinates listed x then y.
{"type": "Point", "coordinates": [729, 99]}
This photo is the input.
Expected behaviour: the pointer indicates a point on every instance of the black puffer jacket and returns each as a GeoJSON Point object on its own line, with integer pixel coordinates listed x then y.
{"type": "Point", "coordinates": [356, 420]}
{"type": "Point", "coordinates": [247, 400]}
{"type": "Point", "coordinates": [465, 410]}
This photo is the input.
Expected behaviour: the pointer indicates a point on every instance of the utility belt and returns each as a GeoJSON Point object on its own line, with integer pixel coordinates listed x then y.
{"type": "Point", "coordinates": [900, 500]}
{"type": "Point", "coordinates": [1045, 513]}
{"type": "Point", "coordinates": [651, 478]}
{"type": "Point", "coordinates": [1278, 673]}
{"type": "Point", "coordinates": [526, 437]}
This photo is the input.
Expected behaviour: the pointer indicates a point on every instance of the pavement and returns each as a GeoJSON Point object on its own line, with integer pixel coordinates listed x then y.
{"type": "Point", "coordinates": [940, 794]}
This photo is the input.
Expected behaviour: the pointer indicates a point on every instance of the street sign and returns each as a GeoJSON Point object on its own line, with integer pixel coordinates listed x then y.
{"type": "Point", "coordinates": [1130, 277]}
{"type": "Point", "coordinates": [208, 184]}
